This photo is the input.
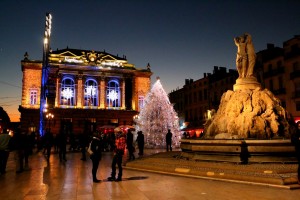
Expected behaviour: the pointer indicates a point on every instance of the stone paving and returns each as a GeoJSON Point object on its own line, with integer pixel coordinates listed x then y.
{"type": "Point", "coordinates": [71, 180]}
{"type": "Point", "coordinates": [271, 174]}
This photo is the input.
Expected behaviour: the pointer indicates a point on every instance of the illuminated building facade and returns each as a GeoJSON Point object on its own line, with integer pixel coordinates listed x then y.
{"type": "Point", "coordinates": [85, 90]}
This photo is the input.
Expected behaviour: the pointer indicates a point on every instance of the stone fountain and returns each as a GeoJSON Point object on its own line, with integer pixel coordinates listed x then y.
{"type": "Point", "coordinates": [249, 119]}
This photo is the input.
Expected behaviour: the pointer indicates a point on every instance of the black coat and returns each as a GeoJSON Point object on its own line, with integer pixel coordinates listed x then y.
{"type": "Point", "coordinates": [295, 139]}
{"type": "Point", "coordinates": [96, 147]}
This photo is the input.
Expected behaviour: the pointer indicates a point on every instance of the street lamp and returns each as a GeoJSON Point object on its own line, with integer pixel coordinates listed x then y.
{"type": "Point", "coordinates": [45, 71]}
{"type": "Point", "coordinates": [49, 117]}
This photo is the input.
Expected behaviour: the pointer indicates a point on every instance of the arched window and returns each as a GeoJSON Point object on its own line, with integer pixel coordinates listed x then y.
{"type": "Point", "coordinates": [67, 92]}
{"type": "Point", "coordinates": [113, 97]}
{"type": "Point", "coordinates": [91, 93]}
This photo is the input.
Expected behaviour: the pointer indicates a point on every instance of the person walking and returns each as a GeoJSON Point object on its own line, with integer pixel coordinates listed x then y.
{"type": "Point", "coordinates": [20, 143]}
{"type": "Point", "coordinates": [62, 145]}
{"type": "Point", "coordinates": [169, 140]}
{"type": "Point", "coordinates": [141, 142]}
{"type": "Point", "coordinates": [129, 143]}
{"type": "Point", "coordinates": [48, 142]}
{"type": "Point", "coordinates": [5, 141]}
{"type": "Point", "coordinates": [120, 143]}
{"type": "Point", "coordinates": [295, 139]}
{"type": "Point", "coordinates": [96, 148]}
{"type": "Point", "coordinates": [83, 142]}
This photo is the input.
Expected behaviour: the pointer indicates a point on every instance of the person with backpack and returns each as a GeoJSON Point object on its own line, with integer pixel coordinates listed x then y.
{"type": "Point", "coordinates": [120, 144]}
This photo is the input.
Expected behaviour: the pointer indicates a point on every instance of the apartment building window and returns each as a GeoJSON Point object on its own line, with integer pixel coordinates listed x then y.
{"type": "Point", "coordinates": [280, 82]}
{"type": "Point", "coordinates": [271, 86]}
{"type": "Point", "coordinates": [200, 96]}
{"type": "Point", "coordinates": [141, 102]}
{"type": "Point", "coordinates": [296, 66]}
{"type": "Point", "coordinates": [269, 67]}
{"type": "Point", "coordinates": [283, 104]}
{"type": "Point", "coordinates": [297, 105]}
{"type": "Point", "coordinates": [279, 64]}
{"type": "Point", "coordinates": [33, 96]}
{"type": "Point", "coordinates": [297, 89]}
{"type": "Point", "coordinates": [205, 94]}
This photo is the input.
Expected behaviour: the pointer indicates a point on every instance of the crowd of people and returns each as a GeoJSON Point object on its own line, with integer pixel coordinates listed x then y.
{"type": "Point", "coordinates": [24, 144]}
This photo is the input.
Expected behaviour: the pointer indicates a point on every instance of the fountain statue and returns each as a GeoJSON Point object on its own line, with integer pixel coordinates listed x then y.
{"type": "Point", "coordinates": [248, 111]}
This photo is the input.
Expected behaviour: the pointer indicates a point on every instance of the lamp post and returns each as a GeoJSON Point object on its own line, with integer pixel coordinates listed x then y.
{"type": "Point", "coordinates": [49, 117]}
{"type": "Point", "coordinates": [45, 71]}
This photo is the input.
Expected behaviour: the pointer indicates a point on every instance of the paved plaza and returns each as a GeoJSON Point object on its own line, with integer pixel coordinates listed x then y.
{"type": "Point", "coordinates": [72, 180]}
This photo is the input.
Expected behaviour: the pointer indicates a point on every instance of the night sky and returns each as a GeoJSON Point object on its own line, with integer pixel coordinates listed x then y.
{"type": "Point", "coordinates": [180, 39]}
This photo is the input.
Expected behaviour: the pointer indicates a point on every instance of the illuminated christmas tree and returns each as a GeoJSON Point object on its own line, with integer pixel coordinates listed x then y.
{"type": "Point", "coordinates": [156, 117]}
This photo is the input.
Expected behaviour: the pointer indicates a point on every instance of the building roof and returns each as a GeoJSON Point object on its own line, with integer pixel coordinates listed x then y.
{"type": "Point", "coordinates": [88, 57]}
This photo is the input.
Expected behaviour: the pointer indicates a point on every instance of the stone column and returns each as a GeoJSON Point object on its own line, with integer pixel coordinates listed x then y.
{"type": "Point", "coordinates": [134, 95]}
{"type": "Point", "coordinates": [102, 92]}
{"type": "Point", "coordinates": [58, 88]}
{"type": "Point", "coordinates": [123, 94]}
{"type": "Point", "coordinates": [79, 92]}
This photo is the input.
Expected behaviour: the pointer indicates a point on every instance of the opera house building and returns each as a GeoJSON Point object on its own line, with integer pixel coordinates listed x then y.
{"type": "Point", "coordinates": [85, 90]}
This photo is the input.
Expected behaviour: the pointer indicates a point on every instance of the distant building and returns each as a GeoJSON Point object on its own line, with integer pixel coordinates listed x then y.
{"type": "Point", "coordinates": [277, 69]}
{"type": "Point", "coordinates": [85, 90]}
{"type": "Point", "coordinates": [197, 99]}
{"type": "Point", "coordinates": [281, 75]}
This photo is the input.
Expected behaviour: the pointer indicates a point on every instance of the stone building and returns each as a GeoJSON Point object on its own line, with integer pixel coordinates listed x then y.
{"type": "Point", "coordinates": [197, 99]}
{"type": "Point", "coordinates": [85, 90]}
{"type": "Point", "coordinates": [281, 74]}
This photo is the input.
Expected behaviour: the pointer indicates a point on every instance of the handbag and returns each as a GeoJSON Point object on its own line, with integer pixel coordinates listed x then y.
{"type": "Point", "coordinates": [89, 150]}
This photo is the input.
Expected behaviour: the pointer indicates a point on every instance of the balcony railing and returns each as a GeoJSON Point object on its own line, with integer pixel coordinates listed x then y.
{"type": "Point", "coordinates": [279, 91]}
{"type": "Point", "coordinates": [274, 72]}
{"type": "Point", "coordinates": [295, 74]}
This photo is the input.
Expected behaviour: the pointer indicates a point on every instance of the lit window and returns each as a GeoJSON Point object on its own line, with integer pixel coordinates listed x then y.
{"type": "Point", "coordinates": [33, 96]}
{"type": "Point", "coordinates": [67, 92]}
{"type": "Point", "coordinates": [91, 93]}
{"type": "Point", "coordinates": [113, 94]}
{"type": "Point", "coordinates": [141, 102]}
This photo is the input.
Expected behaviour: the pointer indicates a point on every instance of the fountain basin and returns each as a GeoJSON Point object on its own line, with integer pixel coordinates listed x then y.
{"type": "Point", "coordinates": [260, 151]}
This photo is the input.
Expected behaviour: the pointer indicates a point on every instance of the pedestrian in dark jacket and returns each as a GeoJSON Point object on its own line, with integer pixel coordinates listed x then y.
{"type": "Point", "coordinates": [96, 147]}
{"type": "Point", "coordinates": [62, 145]}
{"type": "Point", "coordinates": [5, 141]}
{"type": "Point", "coordinates": [83, 141]}
{"type": "Point", "coordinates": [129, 143]}
{"type": "Point", "coordinates": [48, 143]}
{"type": "Point", "coordinates": [295, 139]}
{"type": "Point", "coordinates": [20, 144]}
{"type": "Point", "coordinates": [141, 142]}
{"type": "Point", "coordinates": [169, 140]}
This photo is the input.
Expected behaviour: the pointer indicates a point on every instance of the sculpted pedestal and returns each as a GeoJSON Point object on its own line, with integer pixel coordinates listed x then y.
{"type": "Point", "coordinates": [250, 83]}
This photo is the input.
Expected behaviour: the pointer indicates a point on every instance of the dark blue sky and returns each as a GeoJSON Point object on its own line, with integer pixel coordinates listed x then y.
{"type": "Point", "coordinates": [180, 39]}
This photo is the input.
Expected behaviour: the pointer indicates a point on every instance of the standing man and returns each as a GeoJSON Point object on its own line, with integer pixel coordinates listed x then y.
{"type": "Point", "coordinates": [4, 150]}
{"type": "Point", "coordinates": [117, 159]}
{"type": "Point", "coordinates": [96, 147]}
{"type": "Point", "coordinates": [48, 142]}
{"type": "Point", "coordinates": [129, 142]}
{"type": "Point", "coordinates": [295, 139]}
{"type": "Point", "coordinates": [141, 142]}
{"type": "Point", "coordinates": [169, 140]}
{"type": "Point", "coordinates": [62, 145]}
